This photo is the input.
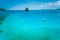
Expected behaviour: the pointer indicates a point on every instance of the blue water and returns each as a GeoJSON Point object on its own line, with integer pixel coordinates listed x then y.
{"type": "Point", "coordinates": [32, 25]}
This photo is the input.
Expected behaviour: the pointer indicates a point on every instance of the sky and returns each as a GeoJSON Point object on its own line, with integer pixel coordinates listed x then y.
{"type": "Point", "coordinates": [31, 4]}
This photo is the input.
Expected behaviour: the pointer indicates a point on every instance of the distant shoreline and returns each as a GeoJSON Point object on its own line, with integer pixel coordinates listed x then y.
{"type": "Point", "coordinates": [29, 10]}
{"type": "Point", "coordinates": [2, 9]}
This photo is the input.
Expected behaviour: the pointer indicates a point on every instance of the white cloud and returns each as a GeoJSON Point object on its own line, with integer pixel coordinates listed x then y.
{"type": "Point", "coordinates": [37, 6]}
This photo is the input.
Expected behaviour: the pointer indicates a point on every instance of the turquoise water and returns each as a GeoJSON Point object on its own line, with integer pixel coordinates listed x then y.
{"type": "Point", "coordinates": [32, 25]}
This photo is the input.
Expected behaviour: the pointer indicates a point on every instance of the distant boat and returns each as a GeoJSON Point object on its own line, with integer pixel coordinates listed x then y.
{"type": "Point", "coordinates": [26, 10]}
{"type": "Point", "coordinates": [2, 9]}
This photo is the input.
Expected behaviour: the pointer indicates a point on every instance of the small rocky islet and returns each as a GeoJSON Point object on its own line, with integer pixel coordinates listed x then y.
{"type": "Point", "coordinates": [26, 9]}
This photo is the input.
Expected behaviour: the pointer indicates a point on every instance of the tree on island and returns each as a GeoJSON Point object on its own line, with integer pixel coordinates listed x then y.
{"type": "Point", "coordinates": [2, 9]}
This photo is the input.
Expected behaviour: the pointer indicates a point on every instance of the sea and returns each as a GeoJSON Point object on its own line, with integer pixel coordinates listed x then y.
{"type": "Point", "coordinates": [31, 25]}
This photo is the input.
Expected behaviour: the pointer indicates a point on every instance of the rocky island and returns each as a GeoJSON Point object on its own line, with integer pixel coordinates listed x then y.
{"type": "Point", "coordinates": [26, 10]}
